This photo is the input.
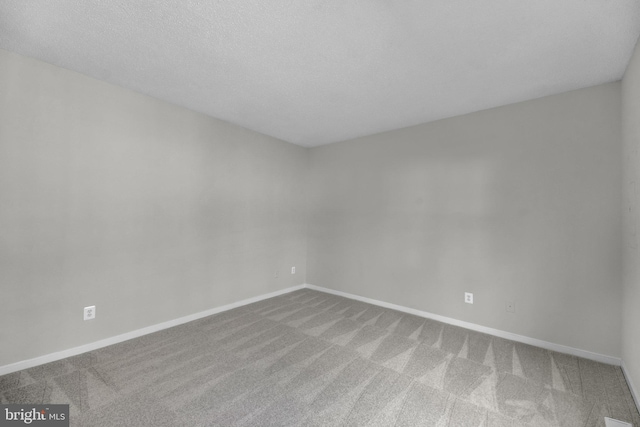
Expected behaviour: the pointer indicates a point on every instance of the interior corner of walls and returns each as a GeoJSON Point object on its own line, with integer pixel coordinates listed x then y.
{"type": "Point", "coordinates": [631, 284]}
{"type": "Point", "coordinates": [635, 392]}
{"type": "Point", "coordinates": [144, 165]}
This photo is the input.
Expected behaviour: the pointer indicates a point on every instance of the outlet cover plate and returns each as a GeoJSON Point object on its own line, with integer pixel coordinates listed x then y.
{"type": "Point", "coordinates": [90, 312]}
{"type": "Point", "coordinates": [468, 297]}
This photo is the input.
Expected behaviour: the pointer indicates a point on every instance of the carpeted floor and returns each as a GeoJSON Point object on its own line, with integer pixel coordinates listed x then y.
{"type": "Point", "coordinates": [312, 359]}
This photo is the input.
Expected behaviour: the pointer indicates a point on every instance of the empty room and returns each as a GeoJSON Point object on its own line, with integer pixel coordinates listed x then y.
{"type": "Point", "coordinates": [362, 213]}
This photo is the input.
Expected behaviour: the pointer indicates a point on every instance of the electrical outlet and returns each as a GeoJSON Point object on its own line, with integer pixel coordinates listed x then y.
{"type": "Point", "coordinates": [468, 297]}
{"type": "Point", "coordinates": [293, 270]}
{"type": "Point", "coordinates": [511, 307]}
{"type": "Point", "coordinates": [90, 312]}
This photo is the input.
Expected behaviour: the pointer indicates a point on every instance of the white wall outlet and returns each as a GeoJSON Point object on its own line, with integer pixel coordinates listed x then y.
{"type": "Point", "coordinates": [293, 270]}
{"type": "Point", "coordinates": [511, 307]}
{"type": "Point", "coordinates": [468, 297]}
{"type": "Point", "coordinates": [90, 312]}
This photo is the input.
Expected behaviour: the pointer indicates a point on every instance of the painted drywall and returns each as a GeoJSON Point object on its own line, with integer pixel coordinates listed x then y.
{"type": "Point", "coordinates": [519, 203]}
{"type": "Point", "coordinates": [147, 210]}
{"type": "Point", "coordinates": [631, 184]}
{"type": "Point", "coordinates": [152, 212]}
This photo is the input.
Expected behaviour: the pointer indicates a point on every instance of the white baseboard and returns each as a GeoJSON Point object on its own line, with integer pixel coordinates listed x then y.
{"type": "Point", "coordinates": [52, 357]}
{"type": "Point", "coordinates": [478, 328]}
{"type": "Point", "coordinates": [632, 388]}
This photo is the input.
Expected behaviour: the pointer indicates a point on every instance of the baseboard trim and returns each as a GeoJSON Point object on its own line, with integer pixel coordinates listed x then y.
{"type": "Point", "coordinates": [52, 357]}
{"type": "Point", "coordinates": [479, 328]}
{"type": "Point", "coordinates": [632, 388]}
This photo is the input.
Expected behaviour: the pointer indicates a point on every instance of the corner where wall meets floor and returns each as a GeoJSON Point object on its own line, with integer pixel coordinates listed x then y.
{"type": "Point", "coordinates": [556, 348]}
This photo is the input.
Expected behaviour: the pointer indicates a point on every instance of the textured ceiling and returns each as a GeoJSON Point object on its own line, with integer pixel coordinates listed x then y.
{"type": "Point", "coordinates": [315, 72]}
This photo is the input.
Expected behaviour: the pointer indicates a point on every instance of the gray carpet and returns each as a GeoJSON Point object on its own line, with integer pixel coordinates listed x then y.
{"type": "Point", "coordinates": [312, 359]}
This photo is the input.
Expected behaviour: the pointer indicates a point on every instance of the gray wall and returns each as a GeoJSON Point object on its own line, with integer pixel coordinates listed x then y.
{"type": "Point", "coordinates": [149, 211]}
{"type": "Point", "coordinates": [516, 203]}
{"type": "Point", "coordinates": [153, 212]}
{"type": "Point", "coordinates": [631, 299]}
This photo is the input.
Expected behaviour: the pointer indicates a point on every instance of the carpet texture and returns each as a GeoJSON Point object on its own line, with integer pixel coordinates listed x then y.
{"type": "Point", "coordinates": [308, 358]}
